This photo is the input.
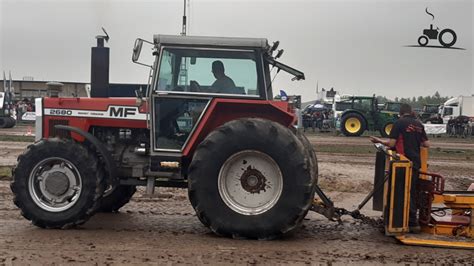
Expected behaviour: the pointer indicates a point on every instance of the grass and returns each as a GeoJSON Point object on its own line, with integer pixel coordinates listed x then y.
{"type": "Point", "coordinates": [17, 138]}
{"type": "Point", "coordinates": [463, 154]}
{"type": "Point", "coordinates": [5, 172]}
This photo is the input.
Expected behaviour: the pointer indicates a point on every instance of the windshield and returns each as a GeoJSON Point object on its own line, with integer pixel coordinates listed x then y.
{"type": "Point", "coordinates": [208, 71]}
{"type": "Point", "coordinates": [431, 109]}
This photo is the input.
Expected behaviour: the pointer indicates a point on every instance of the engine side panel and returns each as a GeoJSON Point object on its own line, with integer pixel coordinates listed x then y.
{"type": "Point", "coordinates": [84, 113]}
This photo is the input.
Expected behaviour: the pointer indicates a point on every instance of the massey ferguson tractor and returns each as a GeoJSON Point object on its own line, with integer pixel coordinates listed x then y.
{"type": "Point", "coordinates": [206, 122]}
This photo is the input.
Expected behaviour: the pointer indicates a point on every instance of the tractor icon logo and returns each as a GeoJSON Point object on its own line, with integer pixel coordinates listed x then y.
{"type": "Point", "coordinates": [447, 37]}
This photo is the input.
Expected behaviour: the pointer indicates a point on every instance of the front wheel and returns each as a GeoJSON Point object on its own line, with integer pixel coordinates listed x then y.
{"type": "Point", "coordinates": [57, 183]}
{"type": "Point", "coordinates": [251, 178]}
{"type": "Point", "coordinates": [353, 124]}
{"type": "Point", "coordinates": [423, 40]}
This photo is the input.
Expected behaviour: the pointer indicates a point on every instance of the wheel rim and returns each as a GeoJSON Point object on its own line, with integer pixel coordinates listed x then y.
{"type": "Point", "coordinates": [250, 182]}
{"type": "Point", "coordinates": [353, 125]}
{"type": "Point", "coordinates": [55, 184]}
{"type": "Point", "coordinates": [423, 41]}
{"type": "Point", "coordinates": [388, 129]}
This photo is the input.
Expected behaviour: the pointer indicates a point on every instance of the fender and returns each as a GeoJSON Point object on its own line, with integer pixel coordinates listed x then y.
{"type": "Point", "coordinates": [108, 160]}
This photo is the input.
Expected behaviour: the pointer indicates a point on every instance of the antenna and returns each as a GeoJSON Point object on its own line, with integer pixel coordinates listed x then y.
{"type": "Point", "coordinates": [183, 29]}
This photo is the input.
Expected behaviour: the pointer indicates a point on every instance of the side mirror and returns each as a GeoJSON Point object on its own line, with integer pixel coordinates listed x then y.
{"type": "Point", "coordinates": [137, 48]}
{"type": "Point", "coordinates": [193, 60]}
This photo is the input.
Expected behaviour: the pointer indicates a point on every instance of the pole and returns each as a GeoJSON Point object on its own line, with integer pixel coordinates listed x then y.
{"type": "Point", "coordinates": [183, 30]}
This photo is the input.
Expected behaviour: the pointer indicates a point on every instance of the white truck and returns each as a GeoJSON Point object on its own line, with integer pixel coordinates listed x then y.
{"type": "Point", "coordinates": [457, 106]}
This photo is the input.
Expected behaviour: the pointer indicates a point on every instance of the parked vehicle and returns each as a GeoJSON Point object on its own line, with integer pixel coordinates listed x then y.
{"type": "Point", "coordinates": [457, 106]}
{"type": "Point", "coordinates": [361, 113]}
{"type": "Point", "coordinates": [430, 114]}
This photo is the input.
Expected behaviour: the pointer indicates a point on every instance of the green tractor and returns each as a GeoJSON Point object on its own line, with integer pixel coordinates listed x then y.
{"type": "Point", "coordinates": [362, 113]}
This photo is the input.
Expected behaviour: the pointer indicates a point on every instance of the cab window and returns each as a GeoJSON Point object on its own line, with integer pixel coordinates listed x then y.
{"type": "Point", "coordinates": [208, 71]}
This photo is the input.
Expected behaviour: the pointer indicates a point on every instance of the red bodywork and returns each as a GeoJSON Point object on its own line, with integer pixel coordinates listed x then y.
{"type": "Point", "coordinates": [219, 112]}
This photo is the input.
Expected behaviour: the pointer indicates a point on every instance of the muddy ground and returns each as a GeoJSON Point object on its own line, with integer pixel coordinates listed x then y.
{"type": "Point", "coordinates": [164, 229]}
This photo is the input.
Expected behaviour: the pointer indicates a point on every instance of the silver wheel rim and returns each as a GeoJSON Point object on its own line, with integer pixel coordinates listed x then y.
{"type": "Point", "coordinates": [55, 184]}
{"type": "Point", "coordinates": [250, 182]}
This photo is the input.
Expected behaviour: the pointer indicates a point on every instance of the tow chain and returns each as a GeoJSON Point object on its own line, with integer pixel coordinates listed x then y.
{"type": "Point", "coordinates": [335, 214]}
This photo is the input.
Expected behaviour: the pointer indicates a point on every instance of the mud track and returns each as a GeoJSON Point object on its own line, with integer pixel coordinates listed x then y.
{"type": "Point", "coordinates": [164, 229]}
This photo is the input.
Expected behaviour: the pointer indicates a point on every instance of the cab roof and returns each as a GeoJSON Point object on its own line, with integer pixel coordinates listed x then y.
{"type": "Point", "coordinates": [208, 41]}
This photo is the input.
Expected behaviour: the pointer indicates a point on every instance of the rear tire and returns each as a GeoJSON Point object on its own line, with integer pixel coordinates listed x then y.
{"type": "Point", "coordinates": [268, 166]}
{"type": "Point", "coordinates": [386, 129]}
{"type": "Point", "coordinates": [115, 199]}
{"type": "Point", "coordinates": [353, 125]}
{"type": "Point", "coordinates": [57, 183]}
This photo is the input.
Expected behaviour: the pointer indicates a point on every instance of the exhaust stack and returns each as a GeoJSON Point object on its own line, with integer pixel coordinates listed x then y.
{"type": "Point", "coordinates": [100, 61]}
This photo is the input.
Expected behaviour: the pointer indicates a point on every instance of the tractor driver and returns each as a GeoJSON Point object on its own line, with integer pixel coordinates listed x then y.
{"type": "Point", "coordinates": [223, 83]}
{"type": "Point", "coordinates": [406, 137]}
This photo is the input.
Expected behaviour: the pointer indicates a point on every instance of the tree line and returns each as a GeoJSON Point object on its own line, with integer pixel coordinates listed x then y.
{"type": "Point", "coordinates": [417, 102]}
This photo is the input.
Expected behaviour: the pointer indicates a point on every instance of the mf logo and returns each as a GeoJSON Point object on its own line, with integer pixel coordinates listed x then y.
{"type": "Point", "coordinates": [122, 111]}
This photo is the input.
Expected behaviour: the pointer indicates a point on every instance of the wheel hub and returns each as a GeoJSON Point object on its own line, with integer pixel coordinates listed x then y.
{"type": "Point", "coordinates": [253, 181]}
{"type": "Point", "coordinates": [56, 183]}
{"type": "Point", "coordinates": [250, 182]}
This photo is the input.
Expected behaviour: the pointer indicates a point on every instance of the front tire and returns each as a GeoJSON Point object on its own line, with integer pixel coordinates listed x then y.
{"type": "Point", "coordinates": [116, 198]}
{"type": "Point", "coordinates": [57, 183]}
{"type": "Point", "coordinates": [251, 178]}
{"type": "Point", "coordinates": [353, 125]}
{"type": "Point", "coordinates": [423, 40]}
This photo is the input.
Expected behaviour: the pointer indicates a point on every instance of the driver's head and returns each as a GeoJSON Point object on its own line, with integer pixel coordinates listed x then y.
{"type": "Point", "coordinates": [405, 109]}
{"type": "Point", "coordinates": [218, 69]}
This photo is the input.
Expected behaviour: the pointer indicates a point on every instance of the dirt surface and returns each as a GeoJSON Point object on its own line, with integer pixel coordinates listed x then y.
{"type": "Point", "coordinates": [165, 230]}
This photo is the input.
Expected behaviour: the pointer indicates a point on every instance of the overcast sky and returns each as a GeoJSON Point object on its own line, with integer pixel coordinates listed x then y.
{"type": "Point", "coordinates": [357, 47]}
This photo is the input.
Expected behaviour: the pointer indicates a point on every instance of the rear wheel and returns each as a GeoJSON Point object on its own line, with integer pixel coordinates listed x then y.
{"type": "Point", "coordinates": [116, 197]}
{"type": "Point", "coordinates": [353, 124]}
{"type": "Point", "coordinates": [386, 129]}
{"type": "Point", "coordinates": [57, 183]}
{"type": "Point", "coordinates": [449, 42]}
{"type": "Point", "coordinates": [251, 178]}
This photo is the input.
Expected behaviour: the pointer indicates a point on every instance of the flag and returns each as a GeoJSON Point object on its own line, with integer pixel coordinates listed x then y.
{"type": "Point", "coordinates": [283, 95]}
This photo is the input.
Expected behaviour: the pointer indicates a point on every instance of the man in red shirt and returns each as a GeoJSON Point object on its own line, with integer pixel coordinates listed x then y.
{"type": "Point", "coordinates": [407, 136]}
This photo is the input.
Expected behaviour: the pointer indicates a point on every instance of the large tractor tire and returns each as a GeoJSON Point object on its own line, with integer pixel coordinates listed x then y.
{"type": "Point", "coordinates": [311, 154]}
{"type": "Point", "coordinates": [57, 183]}
{"type": "Point", "coordinates": [353, 125]}
{"type": "Point", "coordinates": [386, 129]}
{"type": "Point", "coordinates": [251, 178]}
{"type": "Point", "coordinates": [116, 197]}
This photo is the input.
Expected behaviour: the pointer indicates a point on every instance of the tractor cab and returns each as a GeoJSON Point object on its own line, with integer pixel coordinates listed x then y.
{"type": "Point", "coordinates": [189, 72]}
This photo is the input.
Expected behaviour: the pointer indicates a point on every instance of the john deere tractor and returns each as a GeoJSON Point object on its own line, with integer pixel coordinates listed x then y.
{"type": "Point", "coordinates": [363, 114]}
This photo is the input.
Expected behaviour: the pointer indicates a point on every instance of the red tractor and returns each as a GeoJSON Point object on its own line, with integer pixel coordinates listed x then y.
{"type": "Point", "coordinates": [207, 122]}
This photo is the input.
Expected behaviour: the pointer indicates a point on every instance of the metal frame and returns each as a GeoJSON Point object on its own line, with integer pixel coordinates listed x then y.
{"type": "Point", "coordinates": [153, 119]}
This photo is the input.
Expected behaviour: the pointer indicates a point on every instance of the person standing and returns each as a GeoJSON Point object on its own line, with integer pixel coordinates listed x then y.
{"type": "Point", "coordinates": [407, 137]}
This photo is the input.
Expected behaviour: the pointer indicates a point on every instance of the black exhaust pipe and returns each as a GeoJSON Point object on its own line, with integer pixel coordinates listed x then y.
{"type": "Point", "coordinates": [100, 61]}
